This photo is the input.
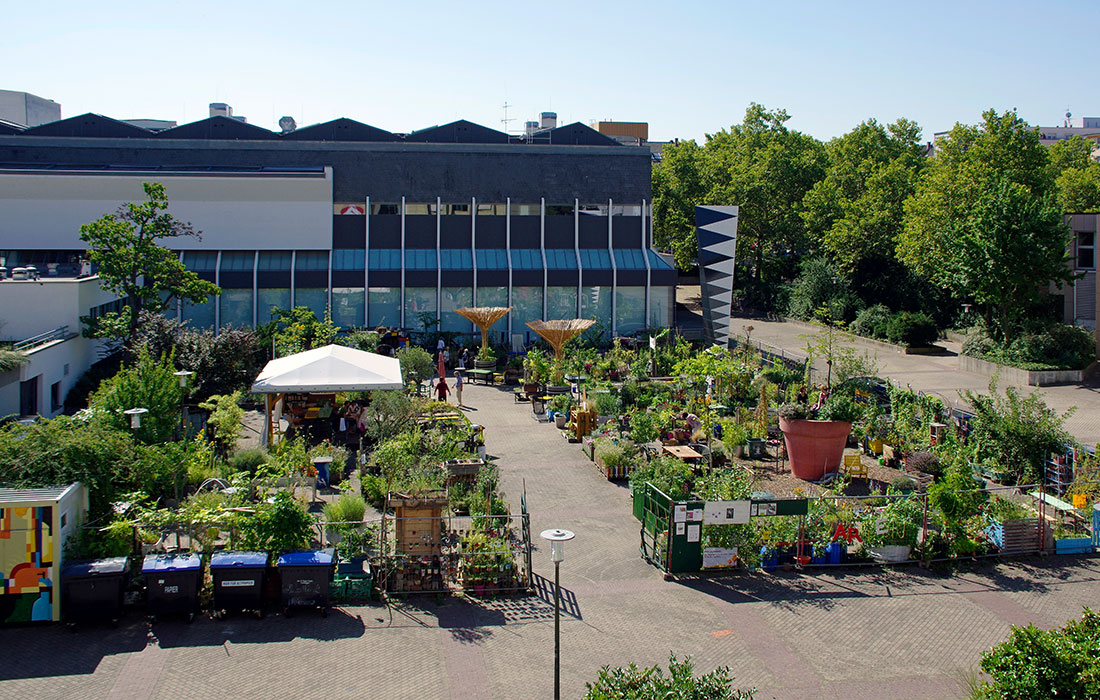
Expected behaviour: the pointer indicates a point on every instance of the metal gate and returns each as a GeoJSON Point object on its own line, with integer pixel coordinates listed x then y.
{"type": "Point", "coordinates": [671, 533]}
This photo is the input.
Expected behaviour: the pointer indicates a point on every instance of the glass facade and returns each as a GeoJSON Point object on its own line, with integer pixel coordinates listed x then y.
{"type": "Point", "coordinates": [383, 306]}
{"type": "Point", "coordinates": [267, 300]}
{"type": "Point", "coordinates": [418, 300]}
{"type": "Point", "coordinates": [455, 298]}
{"type": "Point", "coordinates": [629, 309]}
{"type": "Point", "coordinates": [236, 306]}
{"type": "Point", "coordinates": [347, 306]}
{"type": "Point", "coordinates": [596, 303]}
{"type": "Point", "coordinates": [660, 307]}
{"type": "Point", "coordinates": [201, 316]}
{"type": "Point", "coordinates": [526, 306]}
{"type": "Point", "coordinates": [561, 302]}
{"type": "Point", "coordinates": [315, 298]}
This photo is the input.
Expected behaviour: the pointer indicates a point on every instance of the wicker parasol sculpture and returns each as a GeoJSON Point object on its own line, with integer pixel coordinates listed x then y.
{"type": "Point", "coordinates": [560, 331]}
{"type": "Point", "coordinates": [483, 317]}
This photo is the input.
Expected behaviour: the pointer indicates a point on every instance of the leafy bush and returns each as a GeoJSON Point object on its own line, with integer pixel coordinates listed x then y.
{"type": "Point", "coordinates": [1053, 347]}
{"type": "Point", "coordinates": [1016, 432]}
{"type": "Point", "coordinates": [1035, 664]}
{"type": "Point", "coordinates": [672, 476]}
{"type": "Point", "coordinates": [633, 683]}
{"type": "Point", "coordinates": [416, 364]}
{"type": "Point", "coordinates": [610, 454]}
{"type": "Point", "coordinates": [225, 419]}
{"type": "Point", "coordinates": [147, 384]}
{"type": "Point", "coordinates": [926, 462]}
{"type": "Point", "coordinates": [643, 427]}
{"type": "Point", "coordinates": [374, 489]}
{"type": "Point", "coordinates": [841, 407]}
{"type": "Point", "coordinates": [821, 286]}
{"type": "Point", "coordinates": [281, 526]}
{"type": "Point", "coordinates": [903, 484]}
{"type": "Point", "coordinates": [248, 461]}
{"type": "Point", "coordinates": [794, 411]}
{"type": "Point", "coordinates": [349, 508]}
{"type": "Point", "coordinates": [912, 329]}
{"type": "Point", "coordinates": [872, 322]}
{"type": "Point", "coordinates": [607, 404]}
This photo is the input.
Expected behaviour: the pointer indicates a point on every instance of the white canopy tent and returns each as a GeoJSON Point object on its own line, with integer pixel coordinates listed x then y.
{"type": "Point", "coordinates": [326, 370]}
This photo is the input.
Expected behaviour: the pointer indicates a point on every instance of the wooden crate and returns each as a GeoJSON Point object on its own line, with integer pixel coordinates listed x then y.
{"type": "Point", "coordinates": [462, 470]}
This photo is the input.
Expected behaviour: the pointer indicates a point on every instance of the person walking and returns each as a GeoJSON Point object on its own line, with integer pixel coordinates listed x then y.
{"type": "Point", "coordinates": [447, 357]}
{"type": "Point", "coordinates": [458, 388]}
{"type": "Point", "coordinates": [441, 389]}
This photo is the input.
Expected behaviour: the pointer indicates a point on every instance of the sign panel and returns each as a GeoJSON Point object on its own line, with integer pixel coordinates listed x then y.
{"type": "Point", "coordinates": [787, 506]}
{"type": "Point", "coordinates": [719, 557]}
{"type": "Point", "coordinates": [726, 512]}
{"type": "Point", "coordinates": [693, 533]}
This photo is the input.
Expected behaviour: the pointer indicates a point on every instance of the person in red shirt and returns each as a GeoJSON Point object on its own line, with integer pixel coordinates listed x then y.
{"type": "Point", "coordinates": [441, 389]}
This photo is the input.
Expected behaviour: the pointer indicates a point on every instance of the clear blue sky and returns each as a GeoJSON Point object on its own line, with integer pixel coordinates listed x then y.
{"type": "Point", "coordinates": [687, 67]}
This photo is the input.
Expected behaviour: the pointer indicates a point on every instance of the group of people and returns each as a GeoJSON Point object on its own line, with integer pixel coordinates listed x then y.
{"type": "Point", "coordinates": [461, 357]}
{"type": "Point", "coordinates": [443, 361]}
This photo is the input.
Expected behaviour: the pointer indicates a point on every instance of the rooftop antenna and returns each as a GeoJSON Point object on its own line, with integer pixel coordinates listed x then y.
{"type": "Point", "coordinates": [506, 121]}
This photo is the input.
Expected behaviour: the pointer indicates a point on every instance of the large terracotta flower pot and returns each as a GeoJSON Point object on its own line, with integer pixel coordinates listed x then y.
{"type": "Point", "coordinates": [815, 447]}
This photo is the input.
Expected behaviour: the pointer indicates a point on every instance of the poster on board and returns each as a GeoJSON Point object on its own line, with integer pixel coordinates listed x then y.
{"type": "Point", "coordinates": [719, 557]}
{"type": "Point", "coordinates": [726, 512]}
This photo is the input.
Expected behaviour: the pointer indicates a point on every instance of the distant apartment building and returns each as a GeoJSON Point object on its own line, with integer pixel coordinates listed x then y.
{"type": "Point", "coordinates": [1079, 299]}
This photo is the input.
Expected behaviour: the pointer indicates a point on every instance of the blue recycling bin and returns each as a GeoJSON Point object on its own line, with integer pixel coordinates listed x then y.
{"type": "Point", "coordinates": [322, 464]}
{"type": "Point", "coordinates": [238, 580]}
{"type": "Point", "coordinates": [306, 579]}
{"type": "Point", "coordinates": [172, 584]}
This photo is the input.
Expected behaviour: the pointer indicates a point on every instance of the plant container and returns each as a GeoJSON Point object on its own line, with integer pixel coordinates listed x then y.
{"type": "Point", "coordinates": [891, 552]}
{"type": "Point", "coordinates": [815, 447]}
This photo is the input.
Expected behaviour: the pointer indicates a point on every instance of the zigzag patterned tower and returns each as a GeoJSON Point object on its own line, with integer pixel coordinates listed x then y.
{"type": "Point", "coordinates": [716, 229]}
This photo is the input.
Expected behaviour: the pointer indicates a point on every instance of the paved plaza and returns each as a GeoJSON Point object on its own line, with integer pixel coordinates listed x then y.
{"type": "Point", "coordinates": [851, 634]}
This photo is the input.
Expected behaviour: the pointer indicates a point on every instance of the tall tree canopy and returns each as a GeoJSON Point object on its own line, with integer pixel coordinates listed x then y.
{"type": "Point", "coordinates": [1076, 175]}
{"type": "Point", "coordinates": [125, 245]}
{"type": "Point", "coordinates": [858, 208]}
{"type": "Point", "coordinates": [984, 221]}
{"type": "Point", "coordinates": [759, 165]}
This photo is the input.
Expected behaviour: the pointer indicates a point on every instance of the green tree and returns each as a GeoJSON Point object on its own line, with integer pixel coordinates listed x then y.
{"type": "Point", "coordinates": [148, 384]}
{"type": "Point", "coordinates": [857, 210]}
{"type": "Point", "coordinates": [984, 222]}
{"type": "Point", "coordinates": [1076, 175]}
{"type": "Point", "coordinates": [677, 187]}
{"type": "Point", "coordinates": [225, 419]}
{"type": "Point", "coordinates": [416, 364]}
{"type": "Point", "coordinates": [298, 330]}
{"type": "Point", "coordinates": [132, 263]}
{"type": "Point", "coordinates": [766, 169]}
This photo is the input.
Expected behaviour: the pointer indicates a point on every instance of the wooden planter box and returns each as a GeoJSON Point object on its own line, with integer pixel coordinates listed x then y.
{"type": "Point", "coordinates": [620, 472]}
{"type": "Point", "coordinates": [1021, 535]}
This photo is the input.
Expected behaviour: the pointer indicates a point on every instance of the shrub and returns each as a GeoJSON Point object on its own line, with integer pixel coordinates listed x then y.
{"type": "Point", "coordinates": [912, 329]}
{"type": "Point", "coordinates": [794, 411]}
{"type": "Point", "coordinates": [349, 508]}
{"type": "Point", "coordinates": [681, 683]}
{"type": "Point", "coordinates": [872, 322]}
{"type": "Point", "coordinates": [1035, 664]}
{"type": "Point", "coordinates": [280, 526]}
{"type": "Point", "coordinates": [248, 461]}
{"type": "Point", "coordinates": [903, 484]}
{"type": "Point", "coordinates": [672, 476]}
{"type": "Point", "coordinates": [374, 489]}
{"type": "Point", "coordinates": [820, 285]}
{"type": "Point", "coordinates": [926, 462]}
{"type": "Point", "coordinates": [842, 408]}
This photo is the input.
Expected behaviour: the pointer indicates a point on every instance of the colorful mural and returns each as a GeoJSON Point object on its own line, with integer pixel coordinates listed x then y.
{"type": "Point", "coordinates": [27, 561]}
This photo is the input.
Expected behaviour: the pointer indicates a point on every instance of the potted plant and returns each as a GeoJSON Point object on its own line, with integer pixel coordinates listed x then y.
{"type": "Point", "coordinates": [536, 369]}
{"type": "Point", "coordinates": [891, 533]}
{"type": "Point", "coordinates": [734, 438]}
{"type": "Point", "coordinates": [556, 378]}
{"type": "Point", "coordinates": [486, 358]}
{"type": "Point", "coordinates": [560, 406]}
{"type": "Point", "coordinates": [815, 443]}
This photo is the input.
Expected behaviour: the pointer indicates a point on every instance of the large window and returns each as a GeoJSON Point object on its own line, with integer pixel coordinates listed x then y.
{"type": "Point", "coordinates": [236, 306]}
{"type": "Point", "coordinates": [629, 309]}
{"type": "Point", "coordinates": [492, 259]}
{"type": "Point", "coordinates": [347, 307]}
{"type": "Point", "coordinates": [596, 303]}
{"type": "Point", "coordinates": [267, 300]}
{"type": "Point", "coordinates": [561, 302]}
{"type": "Point", "coordinates": [384, 259]}
{"type": "Point", "coordinates": [315, 298]}
{"type": "Point", "coordinates": [348, 259]}
{"type": "Point", "coordinates": [595, 259]}
{"type": "Point", "coordinates": [383, 306]}
{"type": "Point", "coordinates": [237, 261]}
{"type": "Point", "coordinates": [311, 260]}
{"type": "Point", "coordinates": [418, 300]}
{"type": "Point", "coordinates": [492, 296]}
{"type": "Point", "coordinates": [420, 259]}
{"type": "Point", "coordinates": [455, 259]}
{"type": "Point", "coordinates": [1086, 250]}
{"type": "Point", "coordinates": [526, 259]}
{"type": "Point", "coordinates": [455, 298]}
{"type": "Point", "coordinates": [526, 306]}
{"type": "Point", "coordinates": [660, 307]}
{"type": "Point", "coordinates": [201, 316]}
{"type": "Point", "coordinates": [275, 260]}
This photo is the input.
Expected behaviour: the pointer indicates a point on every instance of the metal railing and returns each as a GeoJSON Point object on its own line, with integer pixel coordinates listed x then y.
{"type": "Point", "coordinates": [59, 333]}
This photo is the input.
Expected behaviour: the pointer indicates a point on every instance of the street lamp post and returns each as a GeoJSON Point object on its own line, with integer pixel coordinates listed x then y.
{"type": "Point", "coordinates": [135, 416]}
{"type": "Point", "coordinates": [557, 539]}
{"type": "Point", "coordinates": [183, 374]}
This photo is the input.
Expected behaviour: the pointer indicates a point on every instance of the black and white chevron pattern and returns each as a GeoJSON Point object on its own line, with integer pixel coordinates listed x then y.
{"type": "Point", "coordinates": [716, 229]}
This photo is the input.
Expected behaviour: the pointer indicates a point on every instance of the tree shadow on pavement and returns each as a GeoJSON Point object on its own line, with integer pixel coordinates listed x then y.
{"type": "Point", "coordinates": [43, 651]}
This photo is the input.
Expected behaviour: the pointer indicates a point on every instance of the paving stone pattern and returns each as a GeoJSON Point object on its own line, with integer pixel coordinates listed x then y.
{"type": "Point", "coordinates": [851, 634]}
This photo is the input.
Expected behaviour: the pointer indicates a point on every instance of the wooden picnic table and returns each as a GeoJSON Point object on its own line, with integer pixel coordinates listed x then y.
{"type": "Point", "coordinates": [681, 452]}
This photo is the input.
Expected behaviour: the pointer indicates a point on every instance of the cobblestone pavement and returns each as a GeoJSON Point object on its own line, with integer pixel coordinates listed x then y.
{"type": "Point", "coordinates": [849, 634]}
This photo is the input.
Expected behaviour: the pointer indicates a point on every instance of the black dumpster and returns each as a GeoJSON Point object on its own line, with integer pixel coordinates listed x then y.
{"type": "Point", "coordinates": [172, 584]}
{"type": "Point", "coordinates": [238, 580]}
{"type": "Point", "coordinates": [306, 579]}
{"type": "Point", "coordinates": [91, 591]}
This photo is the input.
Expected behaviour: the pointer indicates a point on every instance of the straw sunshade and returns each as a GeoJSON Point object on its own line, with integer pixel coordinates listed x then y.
{"type": "Point", "coordinates": [560, 331]}
{"type": "Point", "coordinates": [483, 317]}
